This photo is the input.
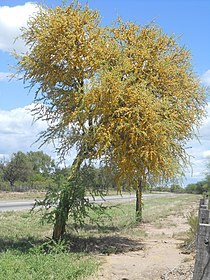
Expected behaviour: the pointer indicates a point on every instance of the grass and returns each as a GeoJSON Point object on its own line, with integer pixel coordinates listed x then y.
{"type": "Point", "coordinates": [155, 209]}
{"type": "Point", "coordinates": [22, 236]}
{"type": "Point", "coordinates": [118, 229]}
{"type": "Point", "coordinates": [21, 195]}
{"type": "Point", "coordinates": [26, 252]}
{"type": "Point", "coordinates": [6, 195]}
{"type": "Point", "coordinates": [17, 265]}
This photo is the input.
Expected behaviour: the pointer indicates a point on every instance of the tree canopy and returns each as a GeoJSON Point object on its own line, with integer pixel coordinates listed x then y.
{"type": "Point", "coordinates": [147, 102]}
{"type": "Point", "coordinates": [128, 90]}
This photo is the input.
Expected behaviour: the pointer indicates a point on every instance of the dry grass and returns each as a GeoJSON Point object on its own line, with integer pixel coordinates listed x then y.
{"type": "Point", "coordinates": [21, 195]}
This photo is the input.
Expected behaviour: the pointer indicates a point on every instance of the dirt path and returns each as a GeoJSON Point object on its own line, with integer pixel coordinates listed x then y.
{"type": "Point", "coordinates": [160, 258]}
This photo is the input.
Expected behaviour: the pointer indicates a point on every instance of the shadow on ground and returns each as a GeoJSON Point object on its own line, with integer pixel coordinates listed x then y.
{"type": "Point", "coordinates": [19, 244]}
{"type": "Point", "coordinates": [106, 244]}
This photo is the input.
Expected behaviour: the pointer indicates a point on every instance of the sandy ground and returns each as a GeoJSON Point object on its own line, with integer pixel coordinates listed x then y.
{"type": "Point", "coordinates": [161, 256]}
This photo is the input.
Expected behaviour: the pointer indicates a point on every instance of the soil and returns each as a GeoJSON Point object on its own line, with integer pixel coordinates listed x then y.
{"type": "Point", "coordinates": [161, 255]}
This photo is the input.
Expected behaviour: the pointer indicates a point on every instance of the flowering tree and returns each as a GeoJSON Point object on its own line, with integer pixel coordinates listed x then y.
{"type": "Point", "coordinates": [124, 94]}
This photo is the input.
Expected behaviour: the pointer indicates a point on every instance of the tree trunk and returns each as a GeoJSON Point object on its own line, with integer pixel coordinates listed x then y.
{"type": "Point", "coordinates": [62, 211]}
{"type": "Point", "coordinates": [61, 216]}
{"type": "Point", "coordinates": [139, 203]}
{"type": "Point", "coordinates": [63, 208]}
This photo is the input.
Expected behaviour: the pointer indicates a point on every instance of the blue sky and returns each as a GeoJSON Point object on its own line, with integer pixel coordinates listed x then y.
{"type": "Point", "coordinates": [186, 18]}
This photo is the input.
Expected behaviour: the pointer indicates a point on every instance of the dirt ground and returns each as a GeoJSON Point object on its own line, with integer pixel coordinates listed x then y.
{"type": "Point", "coordinates": [162, 255]}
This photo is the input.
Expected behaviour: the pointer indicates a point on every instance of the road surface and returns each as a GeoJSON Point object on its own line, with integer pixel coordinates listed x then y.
{"type": "Point", "coordinates": [18, 205]}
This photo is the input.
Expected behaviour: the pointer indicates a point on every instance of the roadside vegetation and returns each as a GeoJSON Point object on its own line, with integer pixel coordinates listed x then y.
{"type": "Point", "coordinates": [28, 252]}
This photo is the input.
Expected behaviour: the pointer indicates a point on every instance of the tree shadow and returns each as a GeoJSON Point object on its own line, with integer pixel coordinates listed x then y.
{"type": "Point", "coordinates": [19, 244]}
{"type": "Point", "coordinates": [108, 244]}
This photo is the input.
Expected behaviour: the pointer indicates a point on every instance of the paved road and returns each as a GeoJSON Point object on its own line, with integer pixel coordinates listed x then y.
{"type": "Point", "coordinates": [17, 205]}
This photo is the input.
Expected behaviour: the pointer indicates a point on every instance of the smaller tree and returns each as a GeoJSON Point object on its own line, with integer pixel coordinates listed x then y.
{"type": "Point", "coordinates": [42, 163]}
{"type": "Point", "coordinates": [19, 168]}
{"type": "Point", "coordinates": [191, 188]}
{"type": "Point", "coordinates": [201, 187]}
{"type": "Point", "coordinates": [176, 188]}
{"type": "Point", "coordinates": [43, 169]}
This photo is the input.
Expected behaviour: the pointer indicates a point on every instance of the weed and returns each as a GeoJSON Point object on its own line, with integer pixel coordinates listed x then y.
{"type": "Point", "coordinates": [192, 220]}
{"type": "Point", "coordinates": [191, 234]}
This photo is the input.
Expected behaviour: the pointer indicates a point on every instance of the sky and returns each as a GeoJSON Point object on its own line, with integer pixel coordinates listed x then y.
{"type": "Point", "coordinates": [188, 19]}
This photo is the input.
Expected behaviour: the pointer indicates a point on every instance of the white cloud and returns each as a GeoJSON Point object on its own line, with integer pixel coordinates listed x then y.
{"type": "Point", "coordinates": [18, 132]}
{"type": "Point", "coordinates": [204, 131]}
{"type": "Point", "coordinates": [11, 20]}
{"type": "Point", "coordinates": [205, 78]}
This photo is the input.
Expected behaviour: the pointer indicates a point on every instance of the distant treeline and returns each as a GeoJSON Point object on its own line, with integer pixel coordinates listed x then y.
{"type": "Point", "coordinates": [38, 171]}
